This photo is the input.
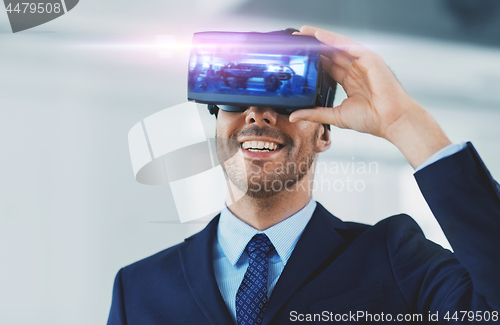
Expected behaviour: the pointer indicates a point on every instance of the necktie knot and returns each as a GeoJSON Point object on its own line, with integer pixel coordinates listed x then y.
{"type": "Point", "coordinates": [260, 242]}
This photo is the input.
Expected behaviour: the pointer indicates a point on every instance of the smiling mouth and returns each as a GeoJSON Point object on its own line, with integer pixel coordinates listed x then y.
{"type": "Point", "coordinates": [261, 146]}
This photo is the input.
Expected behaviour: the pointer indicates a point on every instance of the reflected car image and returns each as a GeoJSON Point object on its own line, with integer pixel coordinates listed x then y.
{"type": "Point", "coordinates": [236, 75]}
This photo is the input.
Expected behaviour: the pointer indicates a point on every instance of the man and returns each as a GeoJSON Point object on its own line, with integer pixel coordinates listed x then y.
{"type": "Point", "coordinates": [278, 257]}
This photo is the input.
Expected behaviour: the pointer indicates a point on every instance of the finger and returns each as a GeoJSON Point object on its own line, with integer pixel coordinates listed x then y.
{"type": "Point", "coordinates": [337, 72]}
{"type": "Point", "coordinates": [327, 51]}
{"type": "Point", "coordinates": [323, 115]}
{"type": "Point", "coordinates": [335, 61]}
{"type": "Point", "coordinates": [338, 59]}
{"type": "Point", "coordinates": [308, 30]}
{"type": "Point", "coordinates": [348, 46]}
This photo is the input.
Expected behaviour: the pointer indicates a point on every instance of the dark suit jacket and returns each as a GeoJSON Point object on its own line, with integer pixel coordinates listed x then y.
{"type": "Point", "coordinates": [341, 267]}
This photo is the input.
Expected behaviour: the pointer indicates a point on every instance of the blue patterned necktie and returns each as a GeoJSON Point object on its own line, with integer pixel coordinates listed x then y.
{"type": "Point", "coordinates": [251, 298]}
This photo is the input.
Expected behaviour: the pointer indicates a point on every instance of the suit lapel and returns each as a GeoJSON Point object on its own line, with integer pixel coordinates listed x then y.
{"type": "Point", "coordinates": [197, 264]}
{"type": "Point", "coordinates": [318, 242]}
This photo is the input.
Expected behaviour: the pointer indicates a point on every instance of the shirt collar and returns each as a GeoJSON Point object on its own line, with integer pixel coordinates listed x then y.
{"type": "Point", "coordinates": [233, 234]}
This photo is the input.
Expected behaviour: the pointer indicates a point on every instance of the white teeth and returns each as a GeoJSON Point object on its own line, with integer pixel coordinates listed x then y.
{"type": "Point", "coordinates": [259, 146]}
{"type": "Point", "coordinates": [258, 150]}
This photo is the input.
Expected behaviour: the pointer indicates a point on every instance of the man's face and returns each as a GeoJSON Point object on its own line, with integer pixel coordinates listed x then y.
{"type": "Point", "coordinates": [277, 153]}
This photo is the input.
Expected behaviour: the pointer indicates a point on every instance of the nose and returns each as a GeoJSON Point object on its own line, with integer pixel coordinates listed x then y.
{"type": "Point", "coordinates": [261, 116]}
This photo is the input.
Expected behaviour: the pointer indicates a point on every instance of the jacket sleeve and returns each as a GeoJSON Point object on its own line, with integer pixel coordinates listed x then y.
{"type": "Point", "coordinates": [117, 312]}
{"type": "Point", "coordinates": [465, 200]}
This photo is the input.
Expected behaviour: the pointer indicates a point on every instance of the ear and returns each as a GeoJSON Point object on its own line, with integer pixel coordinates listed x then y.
{"type": "Point", "coordinates": [323, 140]}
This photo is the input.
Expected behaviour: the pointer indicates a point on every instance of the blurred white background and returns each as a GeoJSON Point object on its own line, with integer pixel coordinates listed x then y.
{"type": "Point", "coordinates": [71, 213]}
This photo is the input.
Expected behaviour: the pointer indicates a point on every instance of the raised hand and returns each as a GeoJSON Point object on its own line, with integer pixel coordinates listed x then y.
{"type": "Point", "coordinates": [376, 104]}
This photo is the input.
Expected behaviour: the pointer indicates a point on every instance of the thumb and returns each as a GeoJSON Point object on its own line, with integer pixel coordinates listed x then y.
{"type": "Point", "coordinates": [323, 115]}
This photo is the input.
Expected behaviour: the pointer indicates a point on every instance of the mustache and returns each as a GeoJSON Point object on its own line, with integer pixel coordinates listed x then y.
{"type": "Point", "coordinates": [258, 131]}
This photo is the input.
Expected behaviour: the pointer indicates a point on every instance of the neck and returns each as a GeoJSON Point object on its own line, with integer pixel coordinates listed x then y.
{"type": "Point", "coordinates": [262, 213]}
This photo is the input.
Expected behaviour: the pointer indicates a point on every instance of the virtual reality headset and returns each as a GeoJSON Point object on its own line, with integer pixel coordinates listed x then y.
{"type": "Point", "coordinates": [233, 71]}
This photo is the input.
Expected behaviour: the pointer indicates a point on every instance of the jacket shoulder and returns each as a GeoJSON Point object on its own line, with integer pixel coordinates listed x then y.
{"type": "Point", "coordinates": [167, 258]}
{"type": "Point", "coordinates": [395, 228]}
{"type": "Point", "coordinates": [167, 261]}
{"type": "Point", "coordinates": [403, 231]}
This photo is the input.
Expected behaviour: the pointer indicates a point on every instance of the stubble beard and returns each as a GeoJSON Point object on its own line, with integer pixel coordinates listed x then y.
{"type": "Point", "coordinates": [259, 182]}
